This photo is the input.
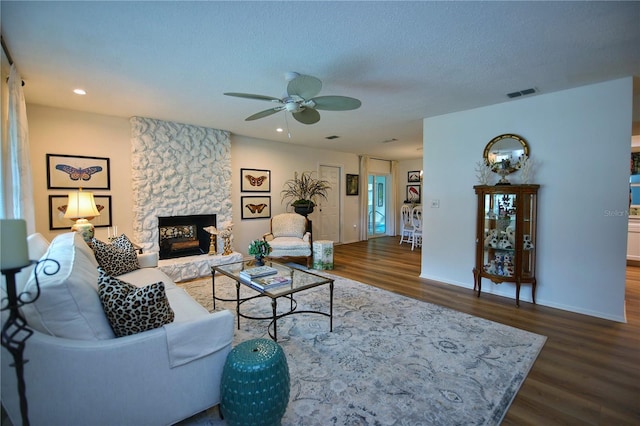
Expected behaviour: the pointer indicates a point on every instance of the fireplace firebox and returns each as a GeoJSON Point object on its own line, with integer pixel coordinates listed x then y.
{"type": "Point", "coordinates": [181, 236]}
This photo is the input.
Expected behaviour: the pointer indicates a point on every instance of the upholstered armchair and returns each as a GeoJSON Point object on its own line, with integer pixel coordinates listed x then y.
{"type": "Point", "coordinates": [289, 237]}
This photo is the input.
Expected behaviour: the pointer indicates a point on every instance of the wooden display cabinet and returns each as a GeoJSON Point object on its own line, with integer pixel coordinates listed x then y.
{"type": "Point", "coordinates": [506, 236]}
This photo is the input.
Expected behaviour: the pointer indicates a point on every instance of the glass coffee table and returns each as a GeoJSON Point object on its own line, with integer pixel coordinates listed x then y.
{"type": "Point", "coordinates": [300, 281]}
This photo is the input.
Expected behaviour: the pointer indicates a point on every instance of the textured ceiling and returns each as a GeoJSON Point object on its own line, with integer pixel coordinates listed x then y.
{"type": "Point", "coordinates": [404, 60]}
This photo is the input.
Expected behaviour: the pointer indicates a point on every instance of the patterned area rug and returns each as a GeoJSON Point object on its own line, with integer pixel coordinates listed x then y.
{"type": "Point", "coordinates": [390, 360]}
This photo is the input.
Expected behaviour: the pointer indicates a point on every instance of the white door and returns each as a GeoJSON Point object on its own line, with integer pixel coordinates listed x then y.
{"type": "Point", "coordinates": [329, 209]}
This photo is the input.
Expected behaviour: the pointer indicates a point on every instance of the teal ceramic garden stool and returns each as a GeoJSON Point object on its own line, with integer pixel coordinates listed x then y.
{"type": "Point", "coordinates": [255, 384]}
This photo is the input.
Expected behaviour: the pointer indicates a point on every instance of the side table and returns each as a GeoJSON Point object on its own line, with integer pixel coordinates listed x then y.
{"type": "Point", "coordinates": [322, 254]}
{"type": "Point", "coordinates": [255, 384]}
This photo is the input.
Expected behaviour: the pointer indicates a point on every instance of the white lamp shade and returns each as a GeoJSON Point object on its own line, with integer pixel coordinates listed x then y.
{"type": "Point", "coordinates": [81, 205]}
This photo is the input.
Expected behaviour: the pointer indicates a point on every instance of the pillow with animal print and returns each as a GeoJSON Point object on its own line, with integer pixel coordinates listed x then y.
{"type": "Point", "coordinates": [132, 309]}
{"type": "Point", "coordinates": [116, 258]}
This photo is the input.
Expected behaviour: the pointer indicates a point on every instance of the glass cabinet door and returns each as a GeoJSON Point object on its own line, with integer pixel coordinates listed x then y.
{"type": "Point", "coordinates": [500, 234]}
{"type": "Point", "coordinates": [528, 244]}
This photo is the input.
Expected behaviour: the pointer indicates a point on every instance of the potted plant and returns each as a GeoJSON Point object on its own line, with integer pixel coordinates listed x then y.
{"type": "Point", "coordinates": [303, 191]}
{"type": "Point", "coordinates": [259, 249]}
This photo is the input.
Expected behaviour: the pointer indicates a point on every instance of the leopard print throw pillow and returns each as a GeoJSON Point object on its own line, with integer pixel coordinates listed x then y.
{"type": "Point", "coordinates": [131, 309]}
{"type": "Point", "coordinates": [116, 258]}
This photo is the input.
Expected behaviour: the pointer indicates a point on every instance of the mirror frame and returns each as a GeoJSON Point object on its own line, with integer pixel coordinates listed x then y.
{"type": "Point", "coordinates": [497, 139]}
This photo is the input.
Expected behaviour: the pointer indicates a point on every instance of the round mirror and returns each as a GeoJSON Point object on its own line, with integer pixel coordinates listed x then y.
{"type": "Point", "coordinates": [503, 154]}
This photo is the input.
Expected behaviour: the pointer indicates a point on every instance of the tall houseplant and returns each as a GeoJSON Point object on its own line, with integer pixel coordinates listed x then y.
{"type": "Point", "coordinates": [303, 191]}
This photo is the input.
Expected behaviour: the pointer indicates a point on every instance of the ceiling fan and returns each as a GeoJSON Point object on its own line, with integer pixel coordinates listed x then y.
{"type": "Point", "coordinates": [301, 100]}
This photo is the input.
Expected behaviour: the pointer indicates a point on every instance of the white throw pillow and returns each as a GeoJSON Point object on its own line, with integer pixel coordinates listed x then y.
{"type": "Point", "coordinates": [38, 246]}
{"type": "Point", "coordinates": [69, 305]}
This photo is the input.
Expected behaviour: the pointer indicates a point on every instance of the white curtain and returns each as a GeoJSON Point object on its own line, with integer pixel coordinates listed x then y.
{"type": "Point", "coordinates": [393, 200]}
{"type": "Point", "coordinates": [364, 197]}
{"type": "Point", "coordinates": [17, 186]}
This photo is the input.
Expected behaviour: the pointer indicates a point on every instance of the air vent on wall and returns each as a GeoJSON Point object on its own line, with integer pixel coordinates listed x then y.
{"type": "Point", "coordinates": [521, 93]}
{"type": "Point", "coordinates": [332, 137]}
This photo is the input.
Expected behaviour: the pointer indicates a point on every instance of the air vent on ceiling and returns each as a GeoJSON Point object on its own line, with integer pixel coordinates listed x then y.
{"type": "Point", "coordinates": [521, 93]}
{"type": "Point", "coordinates": [332, 137]}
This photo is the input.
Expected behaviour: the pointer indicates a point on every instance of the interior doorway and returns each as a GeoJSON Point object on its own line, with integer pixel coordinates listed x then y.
{"type": "Point", "coordinates": [377, 201]}
{"type": "Point", "coordinates": [328, 227]}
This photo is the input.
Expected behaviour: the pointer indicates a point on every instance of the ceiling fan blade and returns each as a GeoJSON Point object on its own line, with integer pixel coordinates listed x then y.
{"type": "Point", "coordinates": [336, 103]}
{"type": "Point", "coordinates": [262, 114]}
{"type": "Point", "coordinates": [250, 96]}
{"type": "Point", "coordinates": [307, 116]}
{"type": "Point", "coordinates": [304, 86]}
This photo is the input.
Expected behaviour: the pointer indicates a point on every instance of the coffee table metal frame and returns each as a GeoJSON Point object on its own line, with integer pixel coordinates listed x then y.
{"type": "Point", "coordinates": [300, 280]}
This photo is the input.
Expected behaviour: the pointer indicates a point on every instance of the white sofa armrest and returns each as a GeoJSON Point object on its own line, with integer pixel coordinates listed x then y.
{"type": "Point", "coordinates": [148, 260]}
{"type": "Point", "coordinates": [186, 340]}
{"type": "Point", "coordinates": [123, 381]}
{"type": "Point", "coordinates": [306, 237]}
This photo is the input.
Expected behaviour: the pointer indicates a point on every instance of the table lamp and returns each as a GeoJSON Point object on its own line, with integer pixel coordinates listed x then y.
{"type": "Point", "coordinates": [81, 207]}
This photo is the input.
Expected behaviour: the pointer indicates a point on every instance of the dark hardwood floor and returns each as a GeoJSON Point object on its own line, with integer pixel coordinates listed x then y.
{"type": "Point", "coordinates": [588, 372]}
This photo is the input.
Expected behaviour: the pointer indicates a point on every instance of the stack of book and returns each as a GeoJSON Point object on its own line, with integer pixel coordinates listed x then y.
{"type": "Point", "coordinates": [268, 282]}
{"type": "Point", "coordinates": [263, 277]}
{"type": "Point", "coordinates": [258, 271]}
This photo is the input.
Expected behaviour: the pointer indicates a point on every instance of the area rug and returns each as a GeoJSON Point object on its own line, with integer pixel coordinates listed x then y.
{"type": "Point", "coordinates": [390, 360]}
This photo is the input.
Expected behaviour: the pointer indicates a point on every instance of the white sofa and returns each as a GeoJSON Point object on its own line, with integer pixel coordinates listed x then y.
{"type": "Point", "coordinates": [156, 377]}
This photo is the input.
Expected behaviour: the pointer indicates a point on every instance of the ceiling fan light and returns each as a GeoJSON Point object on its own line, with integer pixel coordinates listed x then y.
{"type": "Point", "coordinates": [290, 75]}
{"type": "Point", "coordinates": [293, 107]}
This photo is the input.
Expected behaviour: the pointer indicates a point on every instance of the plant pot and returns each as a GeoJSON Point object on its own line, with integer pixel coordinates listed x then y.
{"type": "Point", "coordinates": [304, 209]}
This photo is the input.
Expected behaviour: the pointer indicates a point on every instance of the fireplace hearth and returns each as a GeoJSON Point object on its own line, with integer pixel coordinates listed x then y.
{"type": "Point", "coordinates": [180, 236]}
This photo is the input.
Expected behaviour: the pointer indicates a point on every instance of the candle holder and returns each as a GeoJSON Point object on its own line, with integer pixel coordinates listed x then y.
{"type": "Point", "coordinates": [15, 330]}
{"type": "Point", "coordinates": [212, 245]}
{"type": "Point", "coordinates": [227, 246]}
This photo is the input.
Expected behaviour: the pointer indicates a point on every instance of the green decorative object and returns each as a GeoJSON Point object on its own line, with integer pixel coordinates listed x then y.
{"type": "Point", "coordinates": [255, 384]}
{"type": "Point", "coordinates": [259, 249]}
{"type": "Point", "coordinates": [322, 255]}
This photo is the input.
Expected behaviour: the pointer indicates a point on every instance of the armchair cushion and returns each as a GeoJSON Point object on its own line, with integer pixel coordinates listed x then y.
{"type": "Point", "coordinates": [132, 309]}
{"type": "Point", "coordinates": [289, 243]}
{"type": "Point", "coordinates": [116, 258]}
{"type": "Point", "coordinates": [288, 225]}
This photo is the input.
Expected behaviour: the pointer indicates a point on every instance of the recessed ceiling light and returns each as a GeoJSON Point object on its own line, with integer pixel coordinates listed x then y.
{"type": "Point", "coordinates": [79, 91]}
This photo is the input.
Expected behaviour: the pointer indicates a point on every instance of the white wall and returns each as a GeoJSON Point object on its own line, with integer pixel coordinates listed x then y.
{"type": "Point", "coordinates": [61, 131]}
{"type": "Point", "coordinates": [283, 159]}
{"type": "Point", "coordinates": [404, 167]}
{"type": "Point", "coordinates": [580, 140]}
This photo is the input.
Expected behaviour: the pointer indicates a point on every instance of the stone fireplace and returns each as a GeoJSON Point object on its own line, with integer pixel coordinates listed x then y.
{"type": "Point", "coordinates": [178, 169]}
{"type": "Point", "coordinates": [180, 236]}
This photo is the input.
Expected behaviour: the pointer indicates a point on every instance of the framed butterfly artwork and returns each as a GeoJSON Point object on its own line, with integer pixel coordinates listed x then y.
{"type": "Point", "coordinates": [58, 206]}
{"type": "Point", "coordinates": [256, 207]}
{"type": "Point", "coordinates": [255, 180]}
{"type": "Point", "coordinates": [77, 171]}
